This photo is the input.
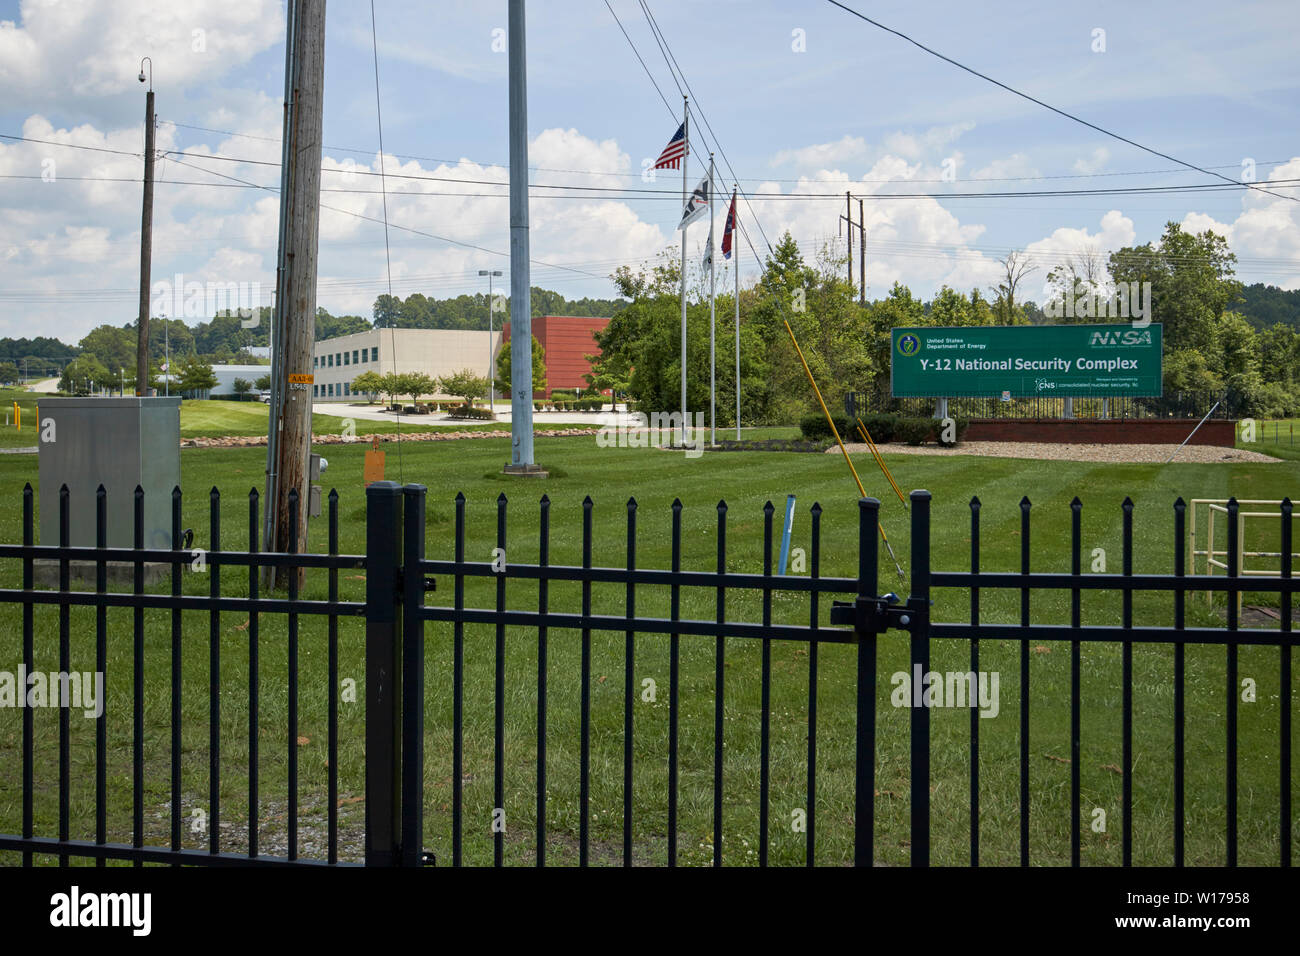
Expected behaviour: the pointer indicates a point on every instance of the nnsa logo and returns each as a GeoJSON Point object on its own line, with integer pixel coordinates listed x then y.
{"type": "Point", "coordinates": [1120, 337]}
{"type": "Point", "coordinates": [73, 909]}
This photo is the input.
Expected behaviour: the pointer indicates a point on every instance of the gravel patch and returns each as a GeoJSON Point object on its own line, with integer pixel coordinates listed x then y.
{"type": "Point", "coordinates": [253, 441]}
{"type": "Point", "coordinates": [1058, 451]}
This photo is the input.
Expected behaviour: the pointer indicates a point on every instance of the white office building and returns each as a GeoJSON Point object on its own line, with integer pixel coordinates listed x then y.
{"type": "Point", "coordinates": [435, 352]}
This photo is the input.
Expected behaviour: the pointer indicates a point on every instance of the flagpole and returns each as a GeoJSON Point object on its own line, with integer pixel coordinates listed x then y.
{"type": "Point", "coordinates": [736, 266]}
{"type": "Point", "coordinates": [686, 152]}
{"type": "Point", "coordinates": [713, 426]}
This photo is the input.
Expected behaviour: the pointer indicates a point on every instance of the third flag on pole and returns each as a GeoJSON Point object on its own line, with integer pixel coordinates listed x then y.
{"type": "Point", "coordinates": [727, 230]}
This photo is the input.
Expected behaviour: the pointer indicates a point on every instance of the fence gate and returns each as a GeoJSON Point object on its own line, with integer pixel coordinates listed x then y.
{"type": "Point", "coordinates": [860, 620]}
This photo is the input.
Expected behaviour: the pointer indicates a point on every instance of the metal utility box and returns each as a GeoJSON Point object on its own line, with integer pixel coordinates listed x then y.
{"type": "Point", "coordinates": [116, 442]}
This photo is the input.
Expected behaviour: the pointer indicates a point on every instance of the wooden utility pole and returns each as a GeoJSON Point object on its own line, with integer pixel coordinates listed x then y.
{"type": "Point", "coordinates": [862, 252]}
{"type": "Point", "coordinates": [293, 335]}
{"type": "Point", "coordinates": [848, 202]}
{"type": "Point", "coordinates": [146, 242]}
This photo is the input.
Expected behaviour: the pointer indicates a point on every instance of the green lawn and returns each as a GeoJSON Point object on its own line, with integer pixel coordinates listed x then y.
{"type": "Point", "coordinates": [1278, 438]}
{"type": "Point", "coordinates": [18, 437]}
{"type": "Point", "coordinates": [746, 481]}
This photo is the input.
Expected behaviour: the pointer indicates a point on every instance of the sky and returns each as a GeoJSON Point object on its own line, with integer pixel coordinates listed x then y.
{"type": "Point", "coordinates": [797, 98]}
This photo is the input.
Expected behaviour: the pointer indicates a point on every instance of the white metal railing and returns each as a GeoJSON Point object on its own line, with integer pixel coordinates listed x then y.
{"type": "Point", "coordinates": [1214, 506]}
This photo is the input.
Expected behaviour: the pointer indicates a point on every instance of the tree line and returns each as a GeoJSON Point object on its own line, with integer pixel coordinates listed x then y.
{"type": "Point", "coordinates": [1210, 346]}
{"type": "Point", "coordinates": [227, 337]}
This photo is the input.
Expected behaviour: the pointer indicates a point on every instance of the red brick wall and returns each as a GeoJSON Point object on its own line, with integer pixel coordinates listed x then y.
{"type": "Point", "coordinates": [565, 339]}
{"type": "Point", "coordinates": [1139, 431]}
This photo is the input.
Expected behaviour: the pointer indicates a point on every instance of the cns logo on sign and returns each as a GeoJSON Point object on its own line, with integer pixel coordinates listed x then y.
{"type": "Point", "coordinates": [908, 345]}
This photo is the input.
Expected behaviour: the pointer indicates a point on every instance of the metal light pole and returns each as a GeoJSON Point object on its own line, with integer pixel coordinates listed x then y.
{"type": "Point", "coordinates": [521, 316]}
{"type": "Point", "coordinates": [492, 374]}
{"type": "Point", "coordinates": [146, 237]}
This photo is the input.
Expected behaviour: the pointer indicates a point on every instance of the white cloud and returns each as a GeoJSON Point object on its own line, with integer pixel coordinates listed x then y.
{"type": "Point", "coordinates": [1268, 230]}
{"type": "Point", "coordinates": [1015, 166]}
{"type": "Point", "coordinates": [925, 145]}
{"type": "Point", "coordinates": [86, 49]}
{"type": "Point", "coordinates": [823, 154]}
{"type": "Point", "coordinates": [1094, 163]}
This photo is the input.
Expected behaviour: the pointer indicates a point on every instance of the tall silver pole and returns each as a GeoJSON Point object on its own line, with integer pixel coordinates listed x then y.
{"type": "Point", "coordinates": [521, 320]}
{"type": "Point", "coordinates": [686, 153]}
{"type": "Point", "coordinates": [492, 372]}
{"type": "Point", "coordinates": [735, 265]}
{"type": "Point", "coordinates": [713, 365]}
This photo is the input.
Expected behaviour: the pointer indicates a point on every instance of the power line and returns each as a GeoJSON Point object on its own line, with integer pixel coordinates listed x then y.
{"type": "Point", "coordinates": [654, 26]}
{"type": "Point", "coordinates": [744, 179]}
{"type": "Point", "coordinates": [667, 106]}
{"type": "Point", "coordinates": [418, 232]}
{"type": "Point", "coordinates": [1059, 112]}
{"type": "Point", "coordinates": [50, 142]}
{"type": "Point", "coordinates": [623, 194]}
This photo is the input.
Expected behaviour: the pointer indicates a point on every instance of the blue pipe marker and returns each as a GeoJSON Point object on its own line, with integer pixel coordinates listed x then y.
{"type": "Point", "coordinates": [785, 535]}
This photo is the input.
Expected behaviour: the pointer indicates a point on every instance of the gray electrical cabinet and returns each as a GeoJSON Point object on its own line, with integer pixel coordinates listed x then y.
{"type": "Point", "coordinates": [119, 443]}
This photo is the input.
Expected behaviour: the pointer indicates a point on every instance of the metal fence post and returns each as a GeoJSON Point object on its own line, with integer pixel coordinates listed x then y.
{"type": "Point", "coordinates": [864, 818]}
{"type": "Point", "coordinates": [413, 677]}
{"type": "Point", "coordinates": [921, 658]}
{"type": "Point", "coordinates": [383, 672]}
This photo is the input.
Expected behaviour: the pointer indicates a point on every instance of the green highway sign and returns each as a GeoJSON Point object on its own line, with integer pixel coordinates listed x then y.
{"type": "Point", "coordinates": [1024, 360]}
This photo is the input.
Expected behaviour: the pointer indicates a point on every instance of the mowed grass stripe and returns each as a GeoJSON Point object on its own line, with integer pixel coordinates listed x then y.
{"type": "Point", "coordinates": [655, 477]}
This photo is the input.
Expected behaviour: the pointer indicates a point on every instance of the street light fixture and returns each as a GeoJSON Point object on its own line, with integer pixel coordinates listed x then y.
{"type": "Point", "coordinates": [492, 377]}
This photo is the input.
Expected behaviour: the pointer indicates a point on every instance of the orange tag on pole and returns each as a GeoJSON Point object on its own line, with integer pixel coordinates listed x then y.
{"type": "Point", "coordinates": [374, 467]}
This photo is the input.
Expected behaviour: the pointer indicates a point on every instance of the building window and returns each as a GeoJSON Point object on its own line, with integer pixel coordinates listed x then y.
{"type": "Point", "coordinates": [315, 361]}
{"type": "Point", "coordinates": [354, 356]}
{"type": "Point", "coordinates": [345, 358]}
{"type": "Point", "coordinates": [329, 361]}
{"type": "Point", "coordinates": [347, 388]}
{"type": "Point", "coordinates": [338, 358]}
{"type": "Point", "coordinates": [331, 390]}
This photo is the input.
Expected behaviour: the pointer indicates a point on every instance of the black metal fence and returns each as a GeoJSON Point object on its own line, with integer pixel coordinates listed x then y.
{"type": "Point", "coordinates": [399, 575]}
{"type": "Point", "coordinates": [1194, 405]}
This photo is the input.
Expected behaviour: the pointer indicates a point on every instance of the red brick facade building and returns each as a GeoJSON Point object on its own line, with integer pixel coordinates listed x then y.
{"type": "Point", "coordinates": [566, 340]}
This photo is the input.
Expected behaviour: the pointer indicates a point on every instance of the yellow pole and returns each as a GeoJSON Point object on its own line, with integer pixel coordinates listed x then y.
{"type": "Point", "coordinates": [830, 421]}
{"type": "Point", "coordinates": [836, 432]}
{"type": "Point", "coordinates": [880, 461]}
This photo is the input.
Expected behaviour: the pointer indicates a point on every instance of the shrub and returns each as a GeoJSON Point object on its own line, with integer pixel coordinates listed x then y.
{"type": "Point", "coordinates": [914, 431]}
{"type": "Point", "coordinates": [881, 427]}
{"type": "Point", "coordinates": [813, 427]}
{"type": "Point", "coordinates": [469, 411]}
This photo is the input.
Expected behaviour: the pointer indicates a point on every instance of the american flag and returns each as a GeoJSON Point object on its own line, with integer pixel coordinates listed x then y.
{"type": "Point", "coordinates": [731, 225]}
{"type": "Point", "coordinates": [671, 157]}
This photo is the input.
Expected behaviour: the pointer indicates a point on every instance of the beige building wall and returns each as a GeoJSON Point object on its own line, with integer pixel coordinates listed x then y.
{"type": "Point", "coordinates": [435, 352]}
